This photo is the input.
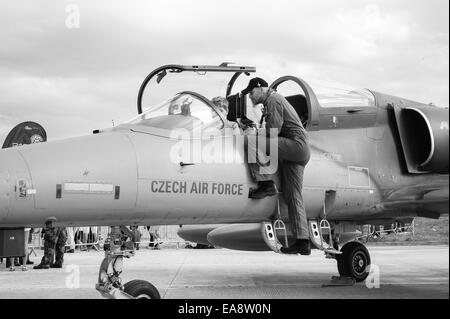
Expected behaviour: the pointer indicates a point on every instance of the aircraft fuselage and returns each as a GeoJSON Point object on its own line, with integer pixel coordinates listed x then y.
{"type": "Point", "coordinates": [126, 176]}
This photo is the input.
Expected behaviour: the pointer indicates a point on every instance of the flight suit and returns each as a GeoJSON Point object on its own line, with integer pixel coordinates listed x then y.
{"type": "Point", "coordinates": [293, 155]}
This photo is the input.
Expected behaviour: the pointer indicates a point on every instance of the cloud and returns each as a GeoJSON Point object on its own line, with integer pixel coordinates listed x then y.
{"type": "Point", "coordinates": [75, 80]}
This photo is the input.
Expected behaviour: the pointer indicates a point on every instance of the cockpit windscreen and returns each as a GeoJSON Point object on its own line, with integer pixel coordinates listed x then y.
{"type": "Point", "coordinates": [184, 110]}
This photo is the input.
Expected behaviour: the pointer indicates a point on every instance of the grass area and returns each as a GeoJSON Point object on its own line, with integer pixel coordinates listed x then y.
{"type": "Point", "coordinates": [426, 230]}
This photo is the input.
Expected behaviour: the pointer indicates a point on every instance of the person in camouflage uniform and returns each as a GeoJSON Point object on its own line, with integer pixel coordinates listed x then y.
{"type": "Point", "coordinates": [50, 238]}
{"type": "Point", "coordinates": [60, 247]}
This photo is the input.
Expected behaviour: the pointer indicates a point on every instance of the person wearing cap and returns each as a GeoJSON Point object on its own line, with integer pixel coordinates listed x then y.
{"type": "Point", "coordinates": [50, 238]}
{"type": "Point", "coordinates": [293, 155]}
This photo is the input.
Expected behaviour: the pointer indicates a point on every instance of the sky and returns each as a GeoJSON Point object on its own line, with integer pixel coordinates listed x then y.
{"type": "Point", "coordinates": [76, 75]}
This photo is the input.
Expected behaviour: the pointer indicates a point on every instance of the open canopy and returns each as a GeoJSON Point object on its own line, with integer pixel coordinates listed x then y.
{"type": "Point", "coordinates": [186, 110]}
{"type": "Point", "coordinates": [162, 71]}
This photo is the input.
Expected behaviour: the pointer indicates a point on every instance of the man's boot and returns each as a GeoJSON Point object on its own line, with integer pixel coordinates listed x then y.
{"type": "Point", "coordinates": [42, 266]}
{"type": "Point", "coordinates": [301, 246]}
{"type": "Point", "coordinates": [55, 265]}
{"type": "Point", "coordinates": [265, 188]}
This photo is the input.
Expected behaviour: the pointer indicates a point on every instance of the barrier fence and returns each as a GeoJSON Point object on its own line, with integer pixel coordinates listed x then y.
{"type": "Point", "coordinates": [380, 231]}
{"type": "Point", "coordinates": [87, 238]}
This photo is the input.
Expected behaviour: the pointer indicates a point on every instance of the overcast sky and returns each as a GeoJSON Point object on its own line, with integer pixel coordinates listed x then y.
{"type": "Point", "coordinates": [74, 80]}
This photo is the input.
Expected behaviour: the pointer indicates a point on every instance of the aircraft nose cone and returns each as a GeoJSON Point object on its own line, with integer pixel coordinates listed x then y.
{"type": "Point", "coordinates": [4, 195]}
{"type": "Point", "coordinates": [12, 166]}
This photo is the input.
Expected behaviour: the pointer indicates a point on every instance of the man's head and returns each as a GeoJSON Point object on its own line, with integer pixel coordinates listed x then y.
{"type": "Point", "coordinates": [49, 222]}
{"type": "Point", "coordinates": [256, 90]}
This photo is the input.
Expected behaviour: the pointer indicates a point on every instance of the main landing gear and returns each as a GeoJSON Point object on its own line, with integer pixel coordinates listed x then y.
{"type": "Point", "coordinates": [109, 282]}
{"type": "Point", "coordinates": [353, 259]}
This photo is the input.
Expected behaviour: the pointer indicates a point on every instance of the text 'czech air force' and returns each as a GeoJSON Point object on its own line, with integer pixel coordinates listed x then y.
{"type": "Point", "coordinates": [193, 187]}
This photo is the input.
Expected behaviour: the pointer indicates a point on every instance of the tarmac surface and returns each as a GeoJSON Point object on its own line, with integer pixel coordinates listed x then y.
{"type": "Point", "coordinates": [404, 272]}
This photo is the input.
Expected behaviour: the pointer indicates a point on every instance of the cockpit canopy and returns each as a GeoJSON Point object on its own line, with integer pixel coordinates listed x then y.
{"type": "Point", "coordinates": [338, 95]}
{"type": "Point", "coordinates": [186, 110]}
{"type": "Point", "coordinates": [320, 105]}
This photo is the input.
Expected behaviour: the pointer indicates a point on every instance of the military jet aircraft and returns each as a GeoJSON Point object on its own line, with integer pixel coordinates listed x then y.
{"type": "Point", "coordinates": [375, 158]}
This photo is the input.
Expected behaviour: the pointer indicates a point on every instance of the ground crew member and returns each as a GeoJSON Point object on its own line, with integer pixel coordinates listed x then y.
{"type": "Point", "coordinates": [60, 247]}
{"type": "Point", "coordinates": [50, 238]}
{"type": "Point", "coordinates": [293, 155]}
{"type": "Point", "coordinates": [155, 238]}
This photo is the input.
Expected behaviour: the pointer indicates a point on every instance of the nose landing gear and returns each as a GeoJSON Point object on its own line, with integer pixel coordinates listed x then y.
{"type": "Point", "coordinates": [109, 282]}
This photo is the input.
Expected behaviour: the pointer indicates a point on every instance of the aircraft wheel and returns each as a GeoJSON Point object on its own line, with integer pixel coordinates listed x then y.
{"type": "Point", "coordinates": [141, 289]}
{"type": "Point", "coordinates": [353, 261]}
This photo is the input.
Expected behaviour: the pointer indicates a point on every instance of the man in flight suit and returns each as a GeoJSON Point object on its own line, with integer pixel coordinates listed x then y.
{"type": "Point", "coordinates": [293, 153]}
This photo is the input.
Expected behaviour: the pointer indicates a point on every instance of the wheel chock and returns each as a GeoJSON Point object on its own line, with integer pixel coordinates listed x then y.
{"type": "Point", "coordinates": [339, 281]}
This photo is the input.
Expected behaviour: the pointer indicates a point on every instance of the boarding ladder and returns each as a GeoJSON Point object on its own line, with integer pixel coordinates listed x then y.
{"type": "Point", "coordinates": [316, 231]}
{"type": "Point", "coordinates": [269, 230]}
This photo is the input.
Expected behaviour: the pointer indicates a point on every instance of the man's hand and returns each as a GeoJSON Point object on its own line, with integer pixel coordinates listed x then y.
{"type": "Point", "coordinates": [247, 123]}
{"type": "Point", "coordinates": [250, 131]}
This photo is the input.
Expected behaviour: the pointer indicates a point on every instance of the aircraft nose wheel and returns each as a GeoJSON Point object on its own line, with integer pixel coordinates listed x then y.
{"type": "Point", "coordinates": [141, 289]}
{"type": "Point", "coordinates": [354, 261]}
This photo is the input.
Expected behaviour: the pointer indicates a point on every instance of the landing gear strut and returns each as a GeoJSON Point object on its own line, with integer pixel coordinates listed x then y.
{"type": "Point", "coordinates": [109, 282]}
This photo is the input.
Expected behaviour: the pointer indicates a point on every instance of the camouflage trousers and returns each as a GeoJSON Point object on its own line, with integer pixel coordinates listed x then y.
{"type": "Point", "coordinates": [60, 249]}
{"type": "Point", "coordinates": [54, 249]}
{"type": "Point", "coordinates": [49, 253]}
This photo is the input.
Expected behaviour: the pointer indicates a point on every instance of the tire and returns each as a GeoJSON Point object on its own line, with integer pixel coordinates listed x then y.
{"type": "Point", "coordinates": [354, 261]}
{"type": "Point", "coordinates": [141, 289]}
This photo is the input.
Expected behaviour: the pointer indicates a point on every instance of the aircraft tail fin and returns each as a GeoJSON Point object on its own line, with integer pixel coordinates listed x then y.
{"type": "Point", "coordinates": [25, 133]}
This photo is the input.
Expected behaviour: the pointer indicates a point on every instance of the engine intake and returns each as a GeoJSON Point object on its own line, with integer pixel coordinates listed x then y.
{"type": "Point", "coordinates": [424, 135]}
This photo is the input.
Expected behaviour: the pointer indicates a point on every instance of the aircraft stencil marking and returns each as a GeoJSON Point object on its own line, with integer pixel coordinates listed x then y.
{"type": "Point", "coordinates": [193, 187]}
{"type": "Point", "coordinates": [333, 156]}
{"type": "Point", "coordinates": [74, 187]}
{"type": "Point", "coordinates": [22, 188]}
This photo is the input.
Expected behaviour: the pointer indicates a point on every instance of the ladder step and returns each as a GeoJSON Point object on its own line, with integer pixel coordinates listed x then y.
{"type": "Point", "coordinates": [317, 239]}
{"type": "Point", "coordinates": [270, 238]}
